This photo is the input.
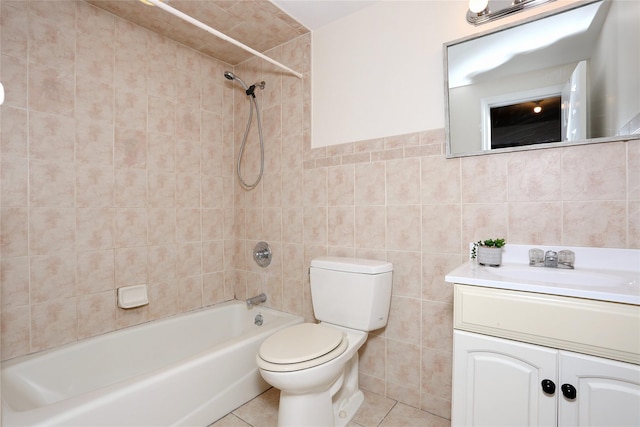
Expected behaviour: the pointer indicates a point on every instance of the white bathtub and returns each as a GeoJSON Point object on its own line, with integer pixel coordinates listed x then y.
{"type": "Point", "coordinates": [187, 370]}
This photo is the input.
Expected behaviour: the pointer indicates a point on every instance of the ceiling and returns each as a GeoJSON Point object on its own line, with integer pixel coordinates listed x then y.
{"type": "Point", "coordinates": [259, 24]}
{"type": "Point", "coordinates": [316, 13]}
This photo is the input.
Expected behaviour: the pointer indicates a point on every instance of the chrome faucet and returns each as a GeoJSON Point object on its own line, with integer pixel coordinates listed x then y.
{"type": "Point", "coordinates": [258, 299]}
{"type": "Point", "coordinates": [551, 259]}
{"type": "Point", "coordinates": [561, 259]}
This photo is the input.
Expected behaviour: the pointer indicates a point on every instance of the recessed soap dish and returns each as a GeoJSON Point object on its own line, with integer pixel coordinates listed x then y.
{"type": "Point", "coordinates": [132, 296]}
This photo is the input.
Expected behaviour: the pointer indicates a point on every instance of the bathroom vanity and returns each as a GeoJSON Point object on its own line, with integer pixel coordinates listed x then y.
{"type": "Point", "coordinates": [538, 347]}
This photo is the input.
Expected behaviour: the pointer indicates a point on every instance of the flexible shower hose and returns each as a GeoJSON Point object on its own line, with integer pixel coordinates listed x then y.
{"type": "Point", "coordinates": [244, 141]}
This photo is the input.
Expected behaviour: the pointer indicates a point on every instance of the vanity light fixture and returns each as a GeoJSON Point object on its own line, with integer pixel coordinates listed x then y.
{"type": "Point", "coordinates": [483, 11]}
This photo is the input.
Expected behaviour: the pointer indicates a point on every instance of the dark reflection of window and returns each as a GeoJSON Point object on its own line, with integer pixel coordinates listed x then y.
{"type": "Point", "coordinates": [518, 124]}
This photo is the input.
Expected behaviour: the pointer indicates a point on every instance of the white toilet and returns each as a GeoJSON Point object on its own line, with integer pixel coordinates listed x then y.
{"type": "Point", "coordinates": [315, 366]}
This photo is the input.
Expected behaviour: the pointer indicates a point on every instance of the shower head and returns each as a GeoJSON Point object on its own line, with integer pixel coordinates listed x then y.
{"type": "Point", "coordinates": [230, 76]}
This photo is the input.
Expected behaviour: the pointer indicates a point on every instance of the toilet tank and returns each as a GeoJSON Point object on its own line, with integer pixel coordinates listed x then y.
{"type": "Point", "coordinates": [350, 292]}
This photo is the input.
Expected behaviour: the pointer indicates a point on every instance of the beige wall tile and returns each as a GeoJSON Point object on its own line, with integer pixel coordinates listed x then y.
{"type": "Point", "coordinates": [604, 179]}
{"type": "Point", "coordinates": [406, 273]}
{"type": "Point", "coordinates": [403, 182]}
{"type": "Point", "coordinates": [441, 228]}
{"type": "Point", "coordinates": [130, 227]}
{"type": "Point", "coordinates": [163, 263]}
{"type": "Point", "coordinates": [484, 179]}
{"type": "Point", "coordinates": [535, 223]}
{"type": "Point", "coordinates": [16, 81]}
{"type": "Point", "coordinates": [340, 186]}
{"type": "Point", "coordinates": [434, 268]}
{"type": "Point", "coordinates": [95, 187]}
{"type": "Point", "coordinates": [51, 90]}
{"type": "Point", "coordinates": [131, 188]}
{"type": "Point", "coordinates": [51, 137]}
{"type": "Point", "coordinates": [131, 266]}
{"type": "Point", "coordinates": [341, 226]}
{"type": "Point", "coordinates": [14, 31]}
{"type": "Point", "coordinates": [403, 228]}
{"type": "Point", "coordinates": [51, 184]}
{"type": "Point", "coordinates": [404, 320]}
{"type": "Point", "coordinates": [534, 176]}
{"type": "Point", "coordinates": [53, 323]}
{"type": "Point", "coordinates": [95, 228]}
{"type": "Point", "coordinates": [15, 132]}
{"type": "Point", "coordinates": [403, 364]}
{"type": "Point", "coordinates": [15, 179]}
{"type": "Point", "coordinates": [600, 224]}
{"type": "Point", "coordinates": [51, 230]}
{"type": "Point", "coordinates": [370, 187]}
{"type": "Point", "coordinates": [437, 325]}
{"type": "Point", "coordinates": [371, 227]}
{"type": "Point", "coordinates": [95, 271]}
{"type": "Point", "coordinates": [440, 180]}
{"type": "Point", "coordinates": [94, 99]}
{"type": "Point", "coordinates": [16, 327]}
{"type": "Point", "coordinates": [14, 282]}
{"type": "Point", "coordinates": [633, 170]}
{"type": "Point", "coordinates": [634, 224]}
{"type": "Point", "coordinates": [96, 314]}
{"type": "Point", "coordinates": [52, 33]}
{"type": "Point", "coordinates": [94, 143]}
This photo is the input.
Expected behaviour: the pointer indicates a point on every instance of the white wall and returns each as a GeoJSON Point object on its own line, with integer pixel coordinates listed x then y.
{"type": "Point", "coordinates": [379, 72]}
{"type": "Point", "coordinates": [614, 105]}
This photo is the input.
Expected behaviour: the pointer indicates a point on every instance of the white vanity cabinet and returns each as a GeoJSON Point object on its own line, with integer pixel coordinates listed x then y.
{"type": "Point", "coordinates": [499, 382]}
{"type": "Point", "coordinates": [496, 382]}
{"type": "Point", "coordinates": [607, 391]}
{"type": "Point", "coordinates": [522, 359]}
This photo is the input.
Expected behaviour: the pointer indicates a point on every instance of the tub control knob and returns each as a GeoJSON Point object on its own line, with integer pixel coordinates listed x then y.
{"type": "Point", "coordinates": [262, 254]}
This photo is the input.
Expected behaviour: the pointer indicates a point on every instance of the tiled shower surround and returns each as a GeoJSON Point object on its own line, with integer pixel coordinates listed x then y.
{"type": "Point", "coordinates": [118, 168]}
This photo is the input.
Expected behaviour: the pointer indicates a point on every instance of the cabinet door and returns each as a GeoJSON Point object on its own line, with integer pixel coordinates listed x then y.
{"type": "Point", "coordinates": [607, 392]}
{"type": "Point", "coordinates": [497, 382]}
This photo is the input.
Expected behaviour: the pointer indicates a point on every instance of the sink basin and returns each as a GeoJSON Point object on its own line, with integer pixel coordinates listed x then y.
{"type": "Point", "coordinates": [560, 276]}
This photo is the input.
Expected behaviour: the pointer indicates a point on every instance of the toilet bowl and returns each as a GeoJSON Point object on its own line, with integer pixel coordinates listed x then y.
{"type": "Point", "coordinates": [315, 365]}
{"type": "Point", "coordinates": [309, 382]}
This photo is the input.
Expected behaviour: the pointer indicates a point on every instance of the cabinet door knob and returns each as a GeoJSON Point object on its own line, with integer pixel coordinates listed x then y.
{"type": "Point", "coordinates": [548, 386]}
{"type": "Point", "coordinates": [569, 391]}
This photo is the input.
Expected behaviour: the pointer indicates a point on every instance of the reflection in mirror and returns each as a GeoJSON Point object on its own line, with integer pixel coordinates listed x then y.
{"type": "Point", "coordinates": [564, 78]}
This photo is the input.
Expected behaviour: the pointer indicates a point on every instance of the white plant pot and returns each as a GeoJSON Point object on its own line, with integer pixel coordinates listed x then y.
{"type": "Point", "coordinates": [489, 256]}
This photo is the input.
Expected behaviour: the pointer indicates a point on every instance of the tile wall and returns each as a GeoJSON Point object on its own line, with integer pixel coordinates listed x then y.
{"type": "Point", "coordinates": [88, 206]}
{"type": "Point", "coordinates": [116, 170]}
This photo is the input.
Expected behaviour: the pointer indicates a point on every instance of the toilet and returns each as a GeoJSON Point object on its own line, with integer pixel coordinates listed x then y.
{"type": "Point", "coordinates": [315, 365]}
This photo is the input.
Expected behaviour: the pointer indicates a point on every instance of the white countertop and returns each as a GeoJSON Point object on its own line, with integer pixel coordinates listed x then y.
{"type": "Point", "coordinates": [600, 274]}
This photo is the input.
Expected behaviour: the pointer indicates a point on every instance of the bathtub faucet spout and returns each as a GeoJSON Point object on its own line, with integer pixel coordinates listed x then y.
{"type": "Point", "coordinates": [256, 300]}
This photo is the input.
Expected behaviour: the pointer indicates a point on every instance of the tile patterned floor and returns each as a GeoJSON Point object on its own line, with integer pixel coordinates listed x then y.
{"type": "Point", "coordinates": [376, 411]}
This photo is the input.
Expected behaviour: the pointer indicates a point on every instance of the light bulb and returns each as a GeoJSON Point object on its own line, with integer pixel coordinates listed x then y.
{"type": "Point", "coordinates": [478, 6]}
{"type": "Point", "coordinates": [537, 109]}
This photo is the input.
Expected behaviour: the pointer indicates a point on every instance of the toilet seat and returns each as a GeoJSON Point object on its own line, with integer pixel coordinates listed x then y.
{"type": "Point", "coordinates": [301, 346]}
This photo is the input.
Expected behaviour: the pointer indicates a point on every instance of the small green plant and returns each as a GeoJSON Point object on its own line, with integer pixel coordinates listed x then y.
{"type": "Point", "coordinates": [490, 243]}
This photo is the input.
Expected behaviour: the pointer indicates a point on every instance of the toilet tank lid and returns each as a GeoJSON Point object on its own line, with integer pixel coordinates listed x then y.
{"type": "Point", "coordinates": [352, 265]}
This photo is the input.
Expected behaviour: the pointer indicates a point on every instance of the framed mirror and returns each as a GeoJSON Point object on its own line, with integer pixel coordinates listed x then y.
{"type": "Point", "coordinates": [567, 77]}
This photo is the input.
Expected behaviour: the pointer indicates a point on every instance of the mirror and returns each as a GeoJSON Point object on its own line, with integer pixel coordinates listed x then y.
{"type": "Point", "coordinates": [568, 77]}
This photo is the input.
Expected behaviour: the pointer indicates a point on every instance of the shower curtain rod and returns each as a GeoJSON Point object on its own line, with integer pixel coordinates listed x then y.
{"type": "Point", "coordinates": [220, 35]}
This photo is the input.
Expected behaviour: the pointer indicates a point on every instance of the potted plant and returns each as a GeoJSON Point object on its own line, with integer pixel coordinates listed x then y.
{"type": "Point", "coordinates": [488, 252]}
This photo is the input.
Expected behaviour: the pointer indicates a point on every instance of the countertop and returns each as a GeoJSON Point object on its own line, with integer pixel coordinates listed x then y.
{"type": "Point", "coordinates": [600, 274]}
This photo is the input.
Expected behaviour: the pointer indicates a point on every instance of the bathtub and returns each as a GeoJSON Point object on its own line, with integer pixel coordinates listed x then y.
{"type": "Point", "coordinates": [187, 370]}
